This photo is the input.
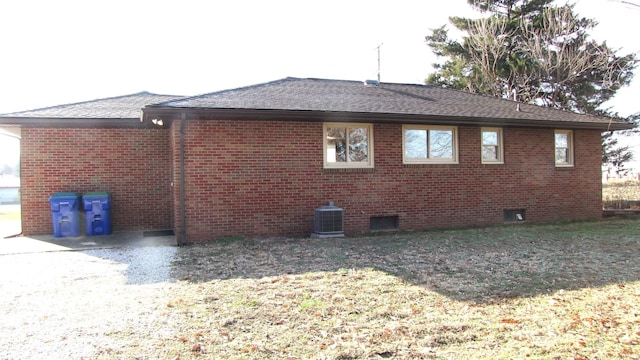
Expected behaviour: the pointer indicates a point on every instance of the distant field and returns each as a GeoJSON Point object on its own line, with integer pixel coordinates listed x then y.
{"type": "Point", "coordinates": [9, 215]}
{"type": "Point", "coordinates": [621, 194]}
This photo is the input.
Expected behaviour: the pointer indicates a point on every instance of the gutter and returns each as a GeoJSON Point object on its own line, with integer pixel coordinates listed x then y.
{"type": "Point", "coordinates": [182, 236]}
{"type": "Point", "coordinates": [168, 114]}
{"type": "Point", "coordinates": [74, 122]}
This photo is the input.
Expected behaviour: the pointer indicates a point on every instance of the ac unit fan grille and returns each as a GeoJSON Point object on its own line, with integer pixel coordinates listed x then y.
{"type": "Point", "coordinates": [328, 221]}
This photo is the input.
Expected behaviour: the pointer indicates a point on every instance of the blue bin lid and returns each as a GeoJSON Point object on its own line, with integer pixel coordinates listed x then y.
{"type": "Point", "coordinates": [101, 197]}
{"type": "Point", "coordinates": [70, 198]}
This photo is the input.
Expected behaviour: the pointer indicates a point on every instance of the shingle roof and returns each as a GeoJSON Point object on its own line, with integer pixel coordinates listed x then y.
{"type": "Point", "coordinates": [386, 99]}
{"type": "Point", "coordinates": [316, 99]}
{"type": "Point", "coordinates": [119, 107]}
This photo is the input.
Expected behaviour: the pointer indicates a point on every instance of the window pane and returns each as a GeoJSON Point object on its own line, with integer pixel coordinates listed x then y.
{"type": "Point", "coordinates": [490, 152]}
{"type": "Point", "coordinates": [490, 138]}
{"type": "Point", "coordinates": [562, 155]}
{"type": "Point", "coordinates": [336, 145]}
{"type": "Point", "coordinates": [429, 144]}
{"type": "Point", "coordinates": [358, 144]}
{"type": "Point", "coordinates": [563, 148]}
{"type": "Point", "coordinates": [441, 144]}
{"type": "Point", "coordinates": [415, 144]}
{"type": "Point", "coordinates": [562, 140]}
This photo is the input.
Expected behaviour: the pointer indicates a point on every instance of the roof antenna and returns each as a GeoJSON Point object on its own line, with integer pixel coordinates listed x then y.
{"type": "Point", "coordinates": [375, 82]}
{"type": "Point", "coordinates": [378, 48]}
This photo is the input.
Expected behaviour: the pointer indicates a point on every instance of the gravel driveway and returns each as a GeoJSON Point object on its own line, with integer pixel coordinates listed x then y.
{"type": "Point", "coordinates": [83, 304]}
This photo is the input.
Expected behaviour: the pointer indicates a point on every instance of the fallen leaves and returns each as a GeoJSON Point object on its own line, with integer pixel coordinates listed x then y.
{"type": "Point", "coordinates": [305, 299]}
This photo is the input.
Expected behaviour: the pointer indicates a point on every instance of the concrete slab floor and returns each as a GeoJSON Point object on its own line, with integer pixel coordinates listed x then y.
{"type": "Point", "coordinates": [48, 243]}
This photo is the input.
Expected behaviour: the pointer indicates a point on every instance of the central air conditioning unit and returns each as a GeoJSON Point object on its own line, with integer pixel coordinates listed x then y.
{"type": "Point", "coordinates": [328, 222]}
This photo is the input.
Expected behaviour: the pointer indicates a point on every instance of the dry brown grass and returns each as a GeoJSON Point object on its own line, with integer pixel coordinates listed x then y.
{"type": "Point", "coordinates": [560, 291]}
{"type": "Point", "coordinates": [621, 190]}
{"type": "Point", "coordinates": [9, 215]}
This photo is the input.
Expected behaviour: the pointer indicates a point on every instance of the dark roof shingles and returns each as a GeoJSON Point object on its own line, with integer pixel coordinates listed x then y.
{"type": "Point", "coordinates": [119, 107]}
{"type": "Point", "coordinates": [386, 98]}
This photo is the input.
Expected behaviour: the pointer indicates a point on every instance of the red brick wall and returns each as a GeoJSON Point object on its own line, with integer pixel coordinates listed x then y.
{"type": "Point", "coordinates": [131, 164]}
{"type": "Point", "coordinates": [266, 178]}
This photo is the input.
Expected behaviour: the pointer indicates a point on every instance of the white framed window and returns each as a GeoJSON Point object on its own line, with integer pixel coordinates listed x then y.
{"type": "Point", "coordinates": [564, 147]}
{"type": "Point", "coordinates": [492, 149]}
{"type": "Point", "coordinates": [424, 144]}
{"type": "Point", "coordinates": [348, 145]}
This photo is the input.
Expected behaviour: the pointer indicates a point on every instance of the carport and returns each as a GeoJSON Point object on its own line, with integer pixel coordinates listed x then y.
{"type": "Point", "coordinates": [95, 146]}
{"type": "Point", "coordinates": [10, 208]}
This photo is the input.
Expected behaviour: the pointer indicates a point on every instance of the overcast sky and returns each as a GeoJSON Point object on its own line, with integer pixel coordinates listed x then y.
{"type": "Point", "coordinates": [63, 51]}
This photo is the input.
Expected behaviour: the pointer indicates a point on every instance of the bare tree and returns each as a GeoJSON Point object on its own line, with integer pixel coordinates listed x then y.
{"type": "Point", "coordinates": [563, 56]}
{"type": "Point", "coordinates": [488, 45]}
{"type": "Point", "coordinates": [626, 3]}
{"type": "Point", "coordinates": [536, 51]}
{"type": "Point", "coordinates": [542, 62]}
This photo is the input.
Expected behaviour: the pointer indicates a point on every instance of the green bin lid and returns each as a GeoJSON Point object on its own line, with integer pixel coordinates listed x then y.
{"type": "Point", "coordinates": [96, 194]}
{"type": "Point", "coordinates": [64, 194]}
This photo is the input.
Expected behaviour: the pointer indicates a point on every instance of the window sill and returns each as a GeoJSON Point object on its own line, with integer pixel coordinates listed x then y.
{"type": "Point", "coordinates": [348, 170]}
{"type": "Point", "coordinates": [432, 166]}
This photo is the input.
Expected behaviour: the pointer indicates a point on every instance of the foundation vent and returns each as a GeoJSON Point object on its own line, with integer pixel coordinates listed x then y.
{"type": "Point", "coordinates": [383, 223]}
{"type": "Point", "coordinates": [514, 215]}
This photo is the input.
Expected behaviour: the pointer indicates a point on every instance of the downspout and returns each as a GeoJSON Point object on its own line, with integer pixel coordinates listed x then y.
{"type": "Point", "coordinates": [182, 237]}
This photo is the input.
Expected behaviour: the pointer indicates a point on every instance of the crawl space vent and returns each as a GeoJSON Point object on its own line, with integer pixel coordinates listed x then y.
{"type": "Point", "coordinates": [328, 222]}
{"type": "Point", "coordinates": [382, 223]}
{"type": "Point", "coordinates": [514, 215]}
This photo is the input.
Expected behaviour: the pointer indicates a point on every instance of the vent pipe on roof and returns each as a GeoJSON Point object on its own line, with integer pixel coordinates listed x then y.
{"type": "Point", "coordinates": [515, 98]}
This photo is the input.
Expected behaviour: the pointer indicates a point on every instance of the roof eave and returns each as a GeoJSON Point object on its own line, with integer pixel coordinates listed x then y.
{"type": "Point", "coordinates": [167, 115]}
{"type": "Point", "coordinates": [75, 122]}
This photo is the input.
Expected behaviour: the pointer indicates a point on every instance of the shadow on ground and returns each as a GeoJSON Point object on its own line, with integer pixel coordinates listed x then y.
{"type": "Point", "coordinates": [140, 259]}
{"type": "Point", "coordinates": [467, 265]}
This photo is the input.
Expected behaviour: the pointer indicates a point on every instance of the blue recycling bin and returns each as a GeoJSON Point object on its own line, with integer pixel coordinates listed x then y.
{"type": "Point", "coordinates": [65, 213]}
{"type": "Point", "coordinates": [97, 213]}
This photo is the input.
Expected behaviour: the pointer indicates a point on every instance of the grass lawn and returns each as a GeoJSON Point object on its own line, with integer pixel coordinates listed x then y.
{"type": "Point", "coordinates": [559, 291]}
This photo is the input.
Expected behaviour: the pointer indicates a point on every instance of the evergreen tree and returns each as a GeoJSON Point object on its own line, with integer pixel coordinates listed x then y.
{"type": "Point", "coordinates": [535, 52]}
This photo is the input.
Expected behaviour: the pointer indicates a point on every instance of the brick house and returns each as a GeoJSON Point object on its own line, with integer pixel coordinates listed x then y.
{"type": "Point", "coordinates": [257, 161]}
